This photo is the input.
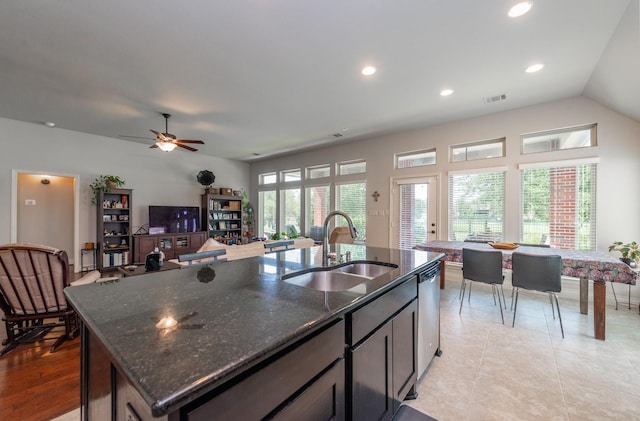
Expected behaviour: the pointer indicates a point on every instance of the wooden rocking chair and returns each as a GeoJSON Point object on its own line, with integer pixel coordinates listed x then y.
{"type": "Point", "coordinates": [32, 279]}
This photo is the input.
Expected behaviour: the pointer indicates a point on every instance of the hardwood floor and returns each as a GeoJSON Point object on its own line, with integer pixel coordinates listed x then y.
{"type": "Point", "coordinates": [37, 385]}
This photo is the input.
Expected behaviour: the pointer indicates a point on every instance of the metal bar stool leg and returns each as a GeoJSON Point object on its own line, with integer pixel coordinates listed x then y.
{"type": "Point", "coordinates": [494, 287]}
{"type": "Point", "coordinates": [464, 287]}
{"type": "Point", "coordinates": [559, 316]}
{"type": "Point", "coordinates": [515, 308]}
{"type": "Point", "coordinates": [614, 295]}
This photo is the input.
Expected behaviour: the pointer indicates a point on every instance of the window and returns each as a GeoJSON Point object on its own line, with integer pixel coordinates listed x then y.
{"type": "Point", "coordinates": [319, 172]}
{"type": "Point", "coordinates": [476, 206]}
{"type": "Point", "coordinates": [268, 178]}
{"type": "Point", "coordinates": [413, 214]}
{"type": "Point", "coordinates": [317, 207]}
{"type": "Point", "coordinates": [478, 150]}
{"type": "Point", "coordinates": [352, 167]}
{"type": "Point", "coordinates": [555, 140]}
{"type": "Point", "coordinates": [290, 211]}
{"type": "Point", "coordinates": [352, 199]}
{"type": "Point", "coordinates": [558, 204]}
{"type": "Point", "coordinates": [416, 159]}
{"type": "Point", "coordinates": [267, 213]}
{"type": "Point", "coordinates": [290, 175]}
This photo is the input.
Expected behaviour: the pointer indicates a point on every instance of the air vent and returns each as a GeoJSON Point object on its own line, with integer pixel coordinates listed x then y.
{"type": "Point", "coordinates": [490, 99]}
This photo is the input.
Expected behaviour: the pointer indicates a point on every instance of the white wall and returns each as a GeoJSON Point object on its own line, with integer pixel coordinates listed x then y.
{"type": "Point", "coordinates": [156, 178]}
{"type": "Point", "coordinates": [618, 147]}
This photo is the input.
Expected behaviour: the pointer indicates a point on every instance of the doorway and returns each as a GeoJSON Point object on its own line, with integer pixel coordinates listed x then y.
{"type": "Point", "coordinates": [414, 218]}
{"type": "Point", "coordinates": [45, 211]}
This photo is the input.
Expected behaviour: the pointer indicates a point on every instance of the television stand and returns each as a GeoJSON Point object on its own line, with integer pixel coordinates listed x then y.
{"type": "Point", "coordinates": [171, 244]}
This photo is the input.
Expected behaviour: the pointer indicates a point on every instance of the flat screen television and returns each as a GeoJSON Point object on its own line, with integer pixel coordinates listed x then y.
{"type": "Point", "coordinates": [168, 219]}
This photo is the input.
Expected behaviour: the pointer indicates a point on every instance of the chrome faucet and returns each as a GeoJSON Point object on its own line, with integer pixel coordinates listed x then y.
{"type": "Point", "coordinates": [325, 243]}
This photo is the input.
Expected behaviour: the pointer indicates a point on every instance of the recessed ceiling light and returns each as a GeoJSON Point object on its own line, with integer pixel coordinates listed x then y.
{"type": "Point", "coordinates": [368, 71]}
{"type": "Point", "coordinates": [446, 92]}
{"type": "Point", "coordinates": [50, 124]}
{"type": "Point", "coordinates": [520, 9]}
{"type": "Point", "coordinates": [534, 68]}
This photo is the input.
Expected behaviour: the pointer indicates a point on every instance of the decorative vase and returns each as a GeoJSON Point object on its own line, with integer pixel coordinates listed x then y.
{"type": "Point", "coordinates": [626, 260]}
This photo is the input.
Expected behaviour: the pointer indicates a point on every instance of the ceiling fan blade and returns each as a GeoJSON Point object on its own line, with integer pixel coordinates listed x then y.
{"type": "Point", "coordinates": [199, 142]}
{"type": "Point", "coordinates": [189, 148]}
{"type": "Point", "coordinates": [137, 137]}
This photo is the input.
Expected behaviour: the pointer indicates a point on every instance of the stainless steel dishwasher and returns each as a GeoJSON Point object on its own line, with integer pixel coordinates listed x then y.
{"type": "Point", "coordinates": [428, 316]}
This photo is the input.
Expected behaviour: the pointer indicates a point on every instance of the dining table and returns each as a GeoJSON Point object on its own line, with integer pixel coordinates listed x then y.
{"type": "Point", "coordinates": [585, 265]}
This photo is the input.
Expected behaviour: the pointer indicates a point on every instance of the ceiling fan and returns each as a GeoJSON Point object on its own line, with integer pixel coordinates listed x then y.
{"type": "Point", "coordinates": [167, 141]}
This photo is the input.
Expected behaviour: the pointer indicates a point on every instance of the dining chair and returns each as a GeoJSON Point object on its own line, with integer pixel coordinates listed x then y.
{"type": "Point", "coordinates": [483, 266]}
{"type": "Point", "coordinates": [535, 272]}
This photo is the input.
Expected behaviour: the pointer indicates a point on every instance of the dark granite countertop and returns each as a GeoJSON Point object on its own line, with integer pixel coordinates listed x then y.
{"type": "Point", "coordinates": [226, 325]}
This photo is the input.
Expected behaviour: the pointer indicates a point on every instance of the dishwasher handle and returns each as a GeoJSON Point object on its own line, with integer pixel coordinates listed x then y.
{"type": "Point", "coordinates": [430, 274]}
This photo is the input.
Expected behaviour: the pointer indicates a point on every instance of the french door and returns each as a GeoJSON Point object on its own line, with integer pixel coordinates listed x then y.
{"type": "Point", "coordinates": [415, 211]}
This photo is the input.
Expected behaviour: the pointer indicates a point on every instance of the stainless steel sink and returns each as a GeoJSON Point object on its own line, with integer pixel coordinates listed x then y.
{"type": "Point", "coordinates": [340, 278]}
{"type": "Point", "coordinates": [370, 270]}
{"type": "Point", "coordinates": [327, 280]}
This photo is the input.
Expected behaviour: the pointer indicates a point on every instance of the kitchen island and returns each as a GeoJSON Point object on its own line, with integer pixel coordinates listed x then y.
{"type": "Point", "coordinates": [248, 343]}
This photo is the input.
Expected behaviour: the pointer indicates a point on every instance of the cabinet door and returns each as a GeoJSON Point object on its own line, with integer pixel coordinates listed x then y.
{"type": "Point", "coordinates": [197, 240]}
{"type": "Point", "coordinates": [371, 388]}
{"type": "Point", "coordinates": [144, 245]}
{"type": "Point", "coordinates": [323, 400]}
{"type": "Point", "coordinates": [405, 342]}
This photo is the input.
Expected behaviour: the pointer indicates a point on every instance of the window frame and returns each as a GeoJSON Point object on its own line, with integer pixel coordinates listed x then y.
{"type": "Point", "coordinates": [501, 140]}
{"type": "Point", "coordinates": [453, 219]}
{"type": "Point", "coordinates": [557, 240]}
{"type": "Point", "coordinates": [593, 138]}
{"type": "Point", "coordinates": [415, 154]}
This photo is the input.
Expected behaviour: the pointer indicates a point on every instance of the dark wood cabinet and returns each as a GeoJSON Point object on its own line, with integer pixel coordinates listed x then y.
{"type": "Point", "coordinates": [383, 355]}
{"type": "Point", "coordinates": [371, 396]}
{"type": "Point", "coordinates": [113, 225]}
{"type": "Point", "coordinates": [307, 379]}
{"type": "Point", "coordinates": [172, 245]}
{"type": "Point", "coordinates": [405, 362]}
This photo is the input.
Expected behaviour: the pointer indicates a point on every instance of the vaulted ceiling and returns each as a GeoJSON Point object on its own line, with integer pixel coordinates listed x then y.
{"type": "Point", "coordinates": [258, 78]}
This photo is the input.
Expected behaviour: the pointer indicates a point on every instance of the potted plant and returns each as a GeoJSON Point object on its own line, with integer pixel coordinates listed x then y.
{"type": "Point", "coordinates": [630, 251]}
{"type": "Point", "coordinates": [104, 183]}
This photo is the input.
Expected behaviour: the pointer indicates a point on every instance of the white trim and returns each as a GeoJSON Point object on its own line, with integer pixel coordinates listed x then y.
{"type": "Point", "coordinates": [556, 164]}
{"type": "Point", "coordinates": [478, 171]}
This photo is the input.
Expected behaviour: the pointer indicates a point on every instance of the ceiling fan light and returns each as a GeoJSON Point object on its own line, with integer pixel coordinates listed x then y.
{"type": "Point", "coordinates": [166, 146]}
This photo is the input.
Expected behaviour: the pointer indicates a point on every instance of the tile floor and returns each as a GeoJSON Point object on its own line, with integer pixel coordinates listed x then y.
{"type": "Point", "coordinates": [491, 371]}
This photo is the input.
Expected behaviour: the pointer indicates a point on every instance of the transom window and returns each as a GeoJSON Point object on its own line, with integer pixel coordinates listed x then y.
{"type": "Point", "coordinates": [478, 150]}
{"type": "Point", "coordinates": [416, 159]}
{"type": "Point", "coordinates": [267, 178]}
{"type": "Point", "coordinates": [352, 167]}
{"type": "Point", "coordinates": [555, 140]}
{"type": "Point", "coordinates": [319, 171]}
{"type": "Point", "coordinates": [290, 175]}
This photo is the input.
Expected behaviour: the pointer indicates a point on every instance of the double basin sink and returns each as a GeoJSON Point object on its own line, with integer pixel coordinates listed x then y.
{"type": "Point", "coordinates": [341, 277]}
